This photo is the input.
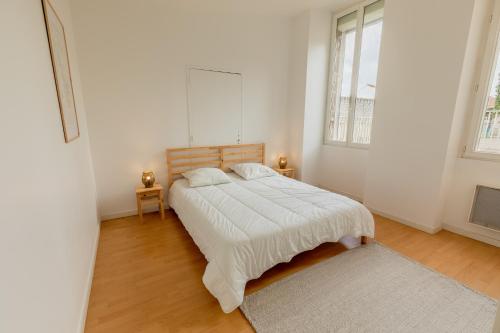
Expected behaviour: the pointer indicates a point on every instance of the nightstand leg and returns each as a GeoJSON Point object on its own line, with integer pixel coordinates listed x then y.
{"type": "Point", "coordinates": [162, 211]}
{"type": "Point", "coordinates": [162, 207]}
{"type": "Point", "coordinates": [139, 208]}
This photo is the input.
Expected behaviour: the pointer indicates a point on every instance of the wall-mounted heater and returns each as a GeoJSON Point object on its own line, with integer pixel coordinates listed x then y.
{"type": "Point", "coordinates": [486, 208]}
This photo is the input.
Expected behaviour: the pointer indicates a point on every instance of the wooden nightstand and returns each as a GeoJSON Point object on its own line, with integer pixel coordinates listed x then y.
{"type": "Point", "coordinates": [289, 172]}
{"type": "Point", "coordinates": [151, 195]}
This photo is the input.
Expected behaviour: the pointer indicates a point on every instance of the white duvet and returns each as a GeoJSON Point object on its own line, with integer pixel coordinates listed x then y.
{"type": "Point", "coordinates": [246, 227]}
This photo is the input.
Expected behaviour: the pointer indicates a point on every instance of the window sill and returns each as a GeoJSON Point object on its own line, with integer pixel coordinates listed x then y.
{"type": "Point", "coordinates": [346, 146]}
{"type": "Point", "coordinates": [481, 157]}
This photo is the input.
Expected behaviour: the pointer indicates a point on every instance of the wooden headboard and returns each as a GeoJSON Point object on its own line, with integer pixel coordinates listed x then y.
{"type": "Point", "coordinates": [180, 160]}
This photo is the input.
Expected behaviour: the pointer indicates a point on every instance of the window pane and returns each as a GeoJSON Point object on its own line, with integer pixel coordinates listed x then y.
{"type": "Point", "coordinates": [342, 76]}
{"type": "Point", "coordinates": [489, 135]}
{"type": "Point", "coordinates": [368, 68]}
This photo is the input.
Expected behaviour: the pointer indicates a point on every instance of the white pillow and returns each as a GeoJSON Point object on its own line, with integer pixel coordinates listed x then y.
{"type": "Point", "coordinates": [251, 171]}
{"type": "Point", "coordinates": [206, 176]}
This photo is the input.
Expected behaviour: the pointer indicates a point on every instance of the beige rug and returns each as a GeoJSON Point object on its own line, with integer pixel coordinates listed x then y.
{"type": "Point", "coordinates": [369, 289]}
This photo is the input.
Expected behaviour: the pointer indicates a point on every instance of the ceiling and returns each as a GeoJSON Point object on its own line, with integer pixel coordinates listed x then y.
{"type": "Point", "coordinates": [263, 7]}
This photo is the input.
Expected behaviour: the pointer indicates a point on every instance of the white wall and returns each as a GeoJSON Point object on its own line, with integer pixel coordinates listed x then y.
{"type": "Point", "coordinates": [297, 90]}
{"type": "Point", "coordinates": [467, 173]}
{"type": "Point", "coordinates": [48, 219]}
{"type": "Point", "coordinates": [316, 92]}
{"type": "Point", "coordinates": [419, 75]}
{"type": "Point", "coordinates": [463, 104]}
{"type": "Point", "coordinates": [343, 170]}
{"type": "Point", "coordinates": [309, 63]}
{"type": "Point", "coordinates": [336, 168]}
{"type": "Point", "coordinates": [133, 61]}
{"type": "Point", "coordinates": [411, 172]}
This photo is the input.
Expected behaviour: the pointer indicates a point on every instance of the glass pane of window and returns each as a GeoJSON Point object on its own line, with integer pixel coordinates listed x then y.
{"type": "Point", "coordinates": [489, 135]}
{"type": "Point", "coordinates": [368, 68]}
{"type": "Point", "coordinates": [342, 76]}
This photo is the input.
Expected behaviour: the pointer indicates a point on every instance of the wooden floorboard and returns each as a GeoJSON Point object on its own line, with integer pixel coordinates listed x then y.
{"type": "Point", "coordinates": [148, 276]}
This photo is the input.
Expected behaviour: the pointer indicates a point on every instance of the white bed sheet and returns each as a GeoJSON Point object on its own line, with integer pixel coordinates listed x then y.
{"type": "Point", "coordinates": [248, 226]}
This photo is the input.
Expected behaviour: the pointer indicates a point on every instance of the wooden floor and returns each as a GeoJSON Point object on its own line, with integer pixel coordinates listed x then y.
{"type": "Point", "coordinates": [148, 276]}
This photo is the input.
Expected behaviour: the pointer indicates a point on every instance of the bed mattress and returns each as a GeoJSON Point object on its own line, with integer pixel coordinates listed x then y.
{"type": "Point", "coordinates": [248, 226]}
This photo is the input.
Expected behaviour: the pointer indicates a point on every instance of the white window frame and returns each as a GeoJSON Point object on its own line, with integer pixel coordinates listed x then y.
{"type": "Point", "coordinates": [360, 8]}
{"type": "Point", "coordinates": [484, 79]}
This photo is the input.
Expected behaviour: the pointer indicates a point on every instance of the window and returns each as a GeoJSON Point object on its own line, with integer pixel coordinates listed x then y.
{"type": "Point", "coordinates": [353, 75]}
{"type": "Point", "coordinates": [484, 141]}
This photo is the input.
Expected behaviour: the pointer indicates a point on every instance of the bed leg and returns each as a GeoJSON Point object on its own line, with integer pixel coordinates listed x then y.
{"type": "Point", "coordinates": [364, 240]}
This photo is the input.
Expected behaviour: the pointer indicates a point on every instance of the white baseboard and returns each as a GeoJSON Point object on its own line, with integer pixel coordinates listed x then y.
{"type": "Point", "coordinates": [472, 234]}
{"type": "Point", "coordinates": [388, 216]}
{"type": "Point", "coordinates": [117, 215]}
{"type": "Point", "coordinates": [127, 213]}
{"type": "Point", "coordinates": [90, 277]}
{"type": "Point", "coordinates": [345, 194]}
{"type": "Point", "coordinates": [414, 225]}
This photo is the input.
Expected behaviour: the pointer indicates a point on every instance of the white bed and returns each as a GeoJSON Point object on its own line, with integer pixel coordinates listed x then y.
{"type": "Point", "coordinates": [246, 227]}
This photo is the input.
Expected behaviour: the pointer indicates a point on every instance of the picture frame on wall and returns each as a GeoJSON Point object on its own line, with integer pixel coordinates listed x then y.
{"type": "Point", "coordinates": [62, 71]}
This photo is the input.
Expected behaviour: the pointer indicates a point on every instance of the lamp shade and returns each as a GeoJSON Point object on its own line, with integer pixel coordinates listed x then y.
{"type": "Point", "coordinates": [282, 162]}
{"type": "Point", "coordinates": [148, 178]}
